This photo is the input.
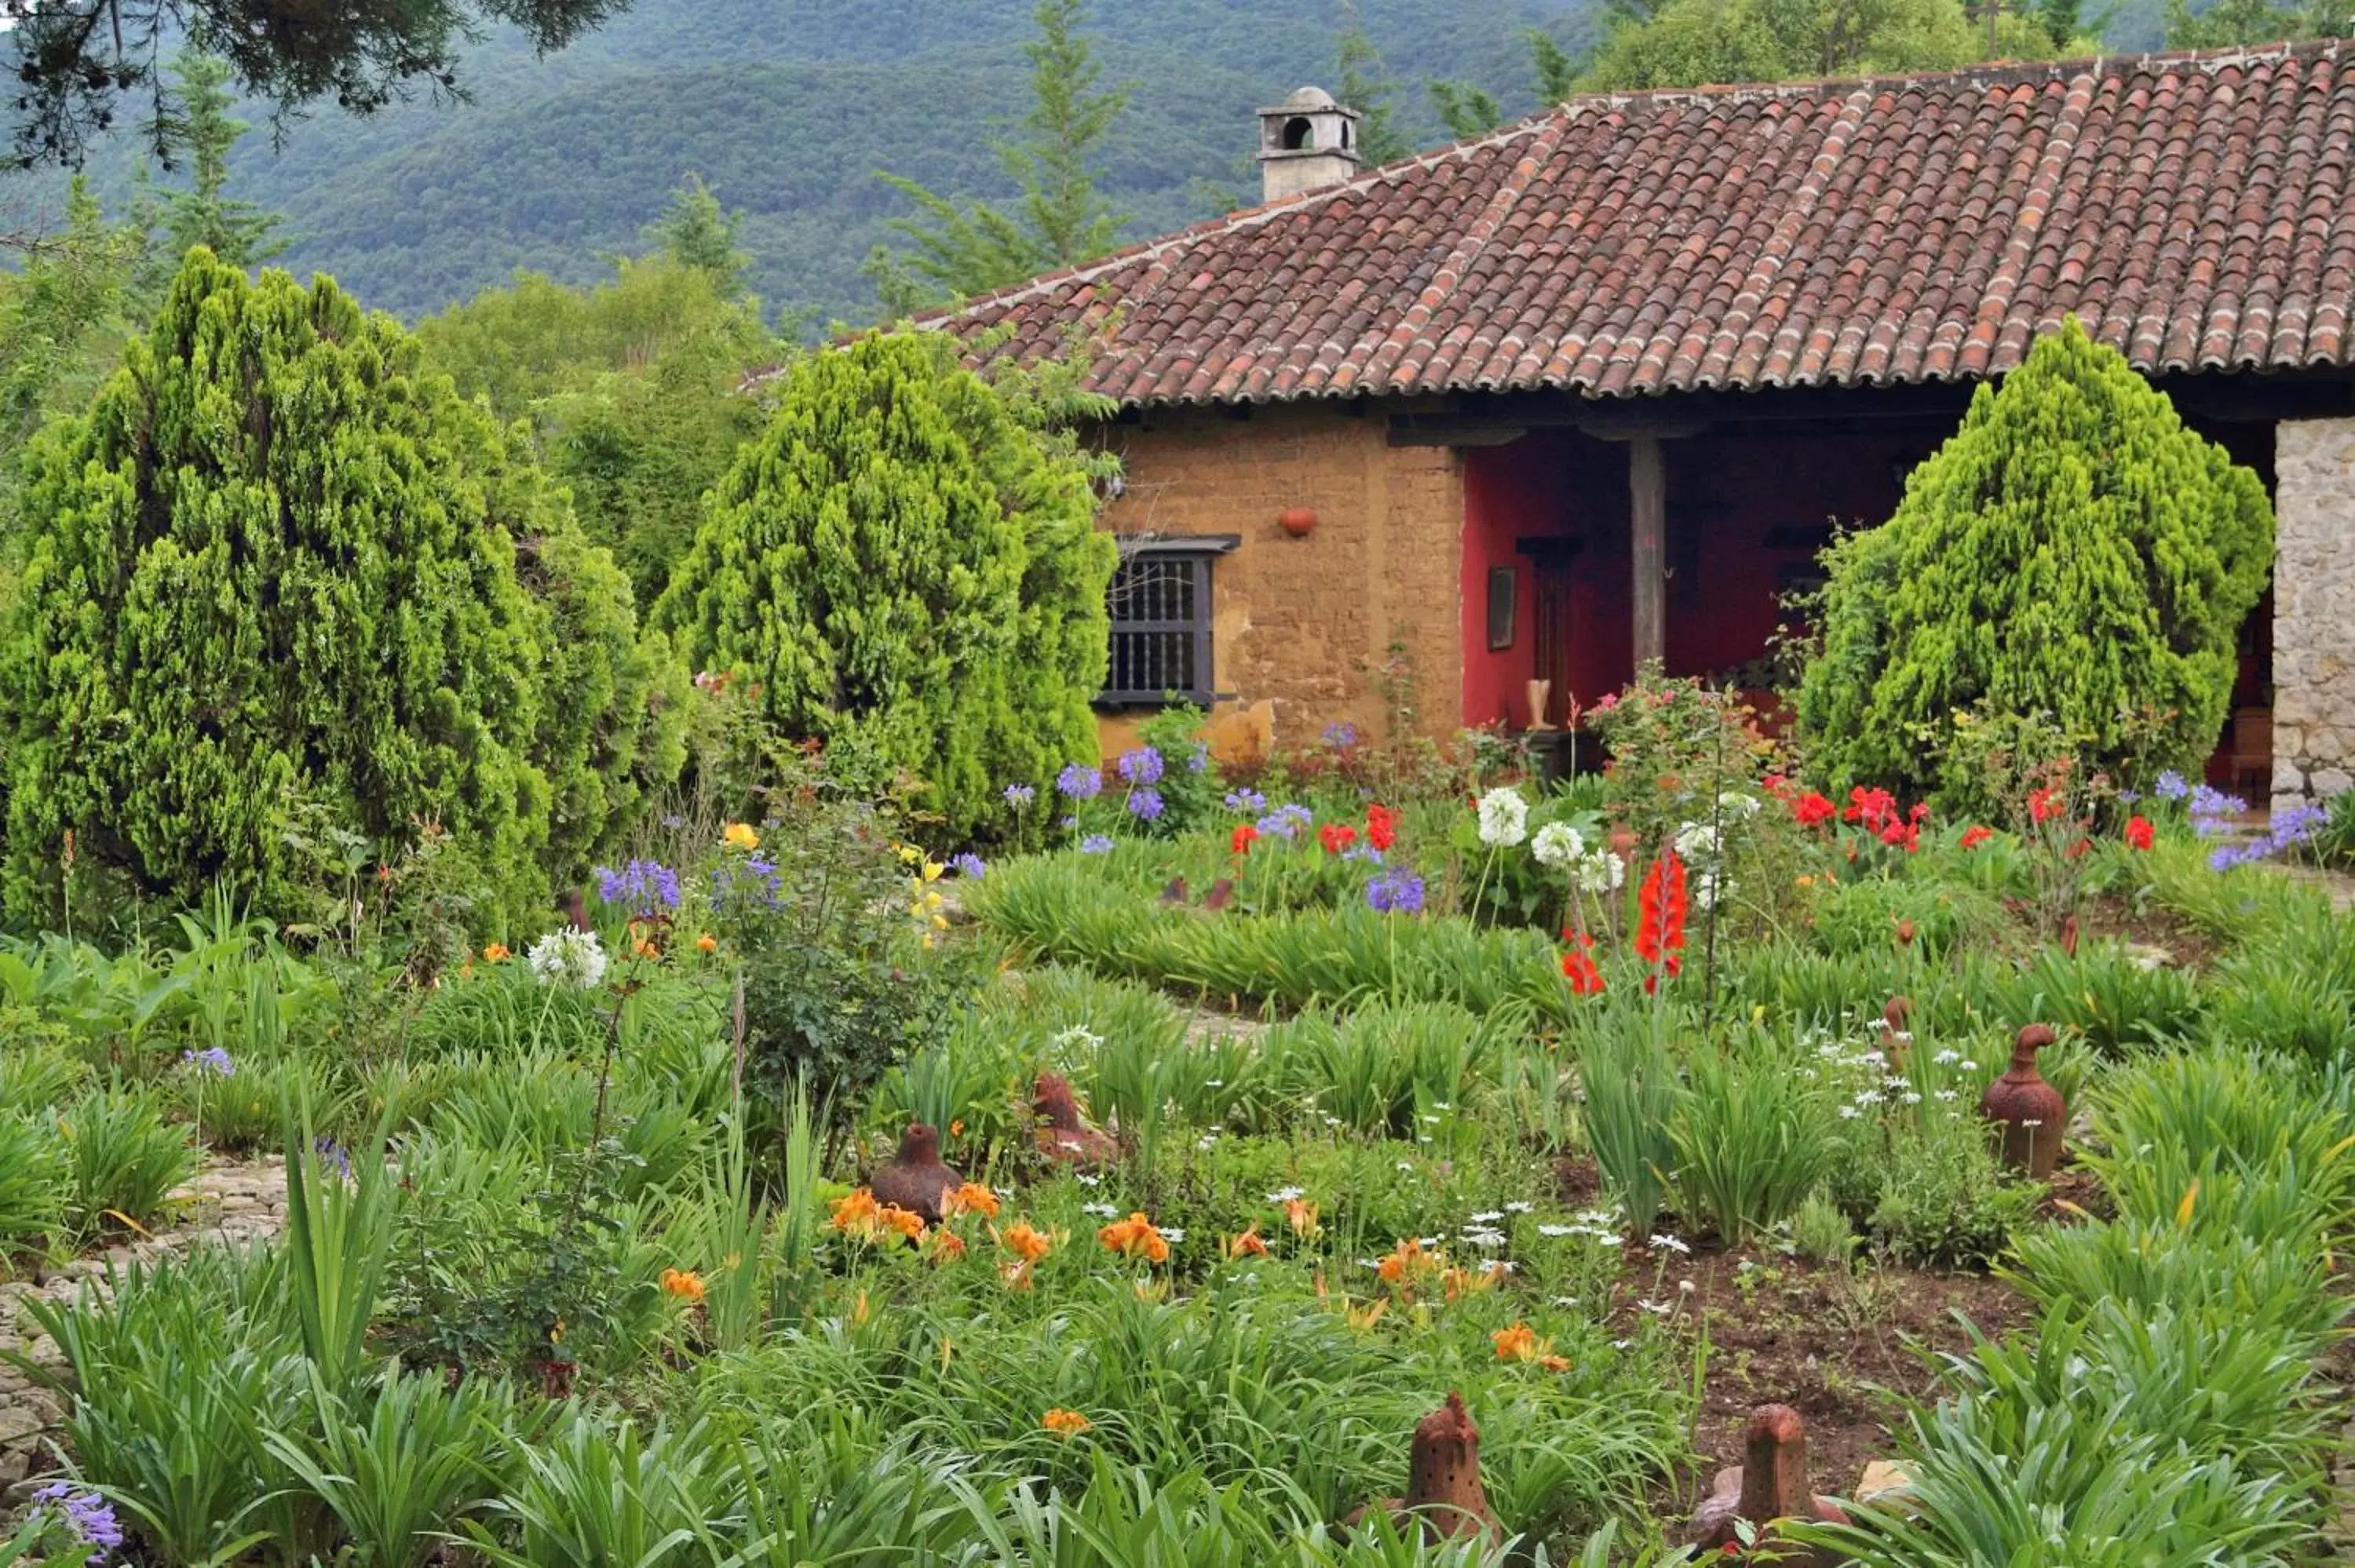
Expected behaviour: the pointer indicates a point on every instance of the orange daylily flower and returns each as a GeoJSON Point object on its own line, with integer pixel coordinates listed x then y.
{"type": "Point", "coordinates": [973, 1198]}
{"type": "Point", "coordinates": [1134, 1236]}
{"type": "Point", "coordinates": [907, 1221]}
{"type": "Point", "coordinates": [1301, 1215]}
{"type": "Point", "coordinates": [1554, 1363]}
{"type": "Point", "coordinates": [497, 953]}
{"type": "Point", "coordinates": [706, 943]}
{"type": "Point", "coordinates": [1025, 1242]}
{"type": "Point", "coordinates": [947, 1245]}
{"type": "Point", "coordinates": [1461, 1281]}
{"type": "Point", "coordinates": [856, 1211]}
{"type": "Point", "coordinates": [1248, 1244]}
{"type": "Point", "coordinates": [1065, 1423]}
{"type": "Point", "coordinates": [1518, 1343]}
{"type": "Point", "coordinates": [1408, 1265]}
{"type": "Point", "coordinates": [684, 1283]}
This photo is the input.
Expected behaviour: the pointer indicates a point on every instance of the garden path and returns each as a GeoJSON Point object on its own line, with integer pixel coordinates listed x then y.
{"type": "Point", "coordinates": [230, 1202]}
{"type": "Point", "coordinates": [2338, 883]}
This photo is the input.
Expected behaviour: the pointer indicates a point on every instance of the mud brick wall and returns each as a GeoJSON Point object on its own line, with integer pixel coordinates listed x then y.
{"type": "Point", "coordinates": [1298, 622]}
{"type": "Point", "coordinates": [2314, 608]}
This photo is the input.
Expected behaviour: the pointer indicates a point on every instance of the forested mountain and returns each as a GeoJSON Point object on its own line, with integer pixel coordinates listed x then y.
{"type": "Point", "coordinates": [790, 107]}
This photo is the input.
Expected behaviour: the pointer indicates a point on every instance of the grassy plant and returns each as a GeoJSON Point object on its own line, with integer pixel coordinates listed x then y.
{"type": "Point", "coordinates": [32, 1188]}
{"type": "Point", "coordinates": [125, 1157]}
{"type": "Point", "coordinates": [1749, 1135]}
{"type": "Point", "coordinates": [599, 1492]}
{"type": "Point", "coordinates": [338, 1234]}
{"type": "Point", "coordinates": [418, 1457]}
{"type": "Point", "coordinates": [1630, 1088]}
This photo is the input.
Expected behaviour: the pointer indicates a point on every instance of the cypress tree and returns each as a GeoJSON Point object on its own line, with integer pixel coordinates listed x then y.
{"type": "Point", "coordinates": [909, 568]}
{"type": "Point", "coordinates": [2071, 550]}
{"type": "Point", "coordinates": [277, 564]}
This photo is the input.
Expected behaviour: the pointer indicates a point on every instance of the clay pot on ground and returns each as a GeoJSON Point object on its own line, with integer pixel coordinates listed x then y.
{"type": "Point", "coordinates": [2029, 1112]}
{"type": "Point", "coordinates": [1770, 1484]}
{"type": "Point", "coordinates": [915, 1180]}
{"type": "Point", "coordinates": [1443, 1479]}
{"type": "Point", "coordinates": [1297, 521]}
{"type": "Point", "coordinates": [1064, 1134]}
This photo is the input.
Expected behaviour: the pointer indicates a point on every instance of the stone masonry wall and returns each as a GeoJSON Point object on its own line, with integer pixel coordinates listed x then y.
{"type": "Point", "coordinates": [2314, 608]}
{"type": "Point", "coordinates": [1295, 620]}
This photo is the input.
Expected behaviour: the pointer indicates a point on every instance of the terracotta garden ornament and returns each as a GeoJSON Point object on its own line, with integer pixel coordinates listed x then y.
{"type": "Point", "coordinates": [1900, 1044]}
{"type": "Point", "coordinates": [1063, 1134]}
{"type": "Point", "coordinates": [915, 1180]}
{"type": "Point", "coordinates": [1770, 1484]}
{"type": "Point", "coordinates": [1443, 1479]}
{"type": "Point", "coordinates": [2031, 1112]}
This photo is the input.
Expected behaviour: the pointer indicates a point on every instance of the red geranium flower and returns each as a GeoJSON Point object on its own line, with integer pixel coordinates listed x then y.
{"type": "Point", "coordinates": [2042, 804]}
{"type": "Point", "coordinates": [1381, 826]}
{"type": "Point", "coordinates": [1812, 810]}
{"type": "Point", "coordinates": [1337, 837]}
{"type": "Point", "coordinates": [2139, 834]}
{"type": "Point", "coordinates": [1975, 835]}
{"type": "Point", "coordinates": [1244, 837]}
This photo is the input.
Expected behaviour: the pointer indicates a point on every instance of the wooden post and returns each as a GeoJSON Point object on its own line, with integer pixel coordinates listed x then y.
{"type": "Point", "coordinates": [1647, 494]}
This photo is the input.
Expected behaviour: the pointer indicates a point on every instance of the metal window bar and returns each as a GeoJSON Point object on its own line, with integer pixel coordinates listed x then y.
{"type": "Point", "coordinates": [1160, 607]}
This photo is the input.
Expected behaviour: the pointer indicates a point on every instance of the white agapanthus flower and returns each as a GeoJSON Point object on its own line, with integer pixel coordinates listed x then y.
{"type": "Point", "coordinates": [1737, 806]}
{"type": "Point", "coordinates": [1697, 841]}
{"type": "Point", "coordinates": [1504, 818]}
{"type": "Point", "coordinates": [567, 956]}
{"type": "Point", "coordinates": [1557, 844]}
{"type": "Point", "coordinates": [1601, 872]}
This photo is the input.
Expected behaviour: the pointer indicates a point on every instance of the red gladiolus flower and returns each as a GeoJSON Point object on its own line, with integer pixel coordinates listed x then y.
{"type": "Point", "coordinates": [2080, 847]}
{"type": "Point", "coordinates": [1975, 835]}
{"type": "Point", "coordinates": [1812, 810]}
{"type": "Point", "coordinates": [1660, 930]}
{"type": "Point", "coordinates": [1337, 837]}
{"type": "Point", "coordinates": [1578, 968]}
{"type": "Point", "coordinates": [2042, 804]}
{"type": "Point", "coordinates": [2139, 833]}
{"type": "Point", "coordinates": [1244, 837]}
{"type": "Point", "coordinates": [1381, 826]}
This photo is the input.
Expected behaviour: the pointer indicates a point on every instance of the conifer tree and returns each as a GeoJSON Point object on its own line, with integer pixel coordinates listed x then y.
{"type": "Point", "coordinates": [910, 571]}
{"type": "Point", "coordinates": [277, 566]}
{"type": "Point", "coordinates": [2073, 550]}
{"type": "Point", "coordinates": [237, 232]}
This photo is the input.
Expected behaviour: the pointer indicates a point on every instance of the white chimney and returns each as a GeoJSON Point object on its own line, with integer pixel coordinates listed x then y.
{"type": "Point", "coordinates": [1306, 142]}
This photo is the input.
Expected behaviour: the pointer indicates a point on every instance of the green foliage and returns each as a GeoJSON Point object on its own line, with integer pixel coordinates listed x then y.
{"type": "Point", "coordinates": [634, 387]}
{"type": "Point", "coordinates": [2073, 549]}
{"type": "Point", "coordinates": [1750, 1139]}
{"type": "Point", "coordinates": [61, 322]}
{"type": "Point", "coordinates": [1692, 43]}
{"type": "Point", "coordinates": [122, 1158]}
{"type": "Point", "coordinates": [1362, 81]}
{"type": "Point", "coordinates": [1060, 219]}
{"type": "Point", "coordinates": [908, 570]}
{"type": "Point", "coordinates": [696, 231]}
{"type": "Point", "coordinates": [279, 562]}
{"type": "Point", "coordinates": [238, 232]}
{"type": "Point", "coordinates": [2228, 24]}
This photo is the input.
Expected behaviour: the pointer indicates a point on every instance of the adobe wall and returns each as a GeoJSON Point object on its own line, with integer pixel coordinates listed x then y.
{"type": "Point", "coordinates": [2314, 608]}
{"type": "Point", "coordinates": [1297, 621]}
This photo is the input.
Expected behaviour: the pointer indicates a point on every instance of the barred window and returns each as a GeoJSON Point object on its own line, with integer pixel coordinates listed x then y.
{"type": "Point", "coordinates": [1160, 605]}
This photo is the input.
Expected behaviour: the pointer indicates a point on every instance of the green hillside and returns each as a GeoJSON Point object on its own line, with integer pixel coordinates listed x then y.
{"type": "Point", "coordinates": [788, 107]}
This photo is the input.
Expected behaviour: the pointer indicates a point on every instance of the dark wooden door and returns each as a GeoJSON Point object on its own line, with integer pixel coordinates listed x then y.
{"type": "Point", "coordinates": [1551, 626]}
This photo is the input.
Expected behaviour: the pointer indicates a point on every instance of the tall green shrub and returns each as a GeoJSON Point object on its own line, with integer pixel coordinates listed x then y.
{"type": "Point", "coordinates": [2074, 550]}
{"type": "Point", "coordinates": [908, 566]}
{"type": "Point", "coordinates": [277, 562]}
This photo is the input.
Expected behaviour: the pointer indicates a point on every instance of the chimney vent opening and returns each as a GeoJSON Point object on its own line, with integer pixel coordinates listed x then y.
{"type": "Point", "coordinates": [1298, 132]}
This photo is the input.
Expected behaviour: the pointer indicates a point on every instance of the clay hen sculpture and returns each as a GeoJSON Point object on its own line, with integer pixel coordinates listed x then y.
{"type": "Point", "coordinates": [1063, 1134]}
{"type": "Point", "coordinates": [1443, 1479]}
{"type": "Point", "coordinates": [1771, 1483]}
{"type": "Point", "coordinates": [915, 1180]}
{"type": "Point", "coordinates": [2031, 1112]}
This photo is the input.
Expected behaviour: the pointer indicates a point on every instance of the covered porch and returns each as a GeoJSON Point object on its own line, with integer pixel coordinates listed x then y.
{"type": "Point", "coordinates": [1595, 539]}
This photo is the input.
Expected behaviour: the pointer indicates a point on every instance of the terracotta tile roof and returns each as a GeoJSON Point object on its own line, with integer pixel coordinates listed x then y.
{"type": "Point", "coordinates": [2197, 211]}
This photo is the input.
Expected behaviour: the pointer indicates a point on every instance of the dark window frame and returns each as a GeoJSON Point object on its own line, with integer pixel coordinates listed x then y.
{"type": "Point", "coordinates": [1181, 645]}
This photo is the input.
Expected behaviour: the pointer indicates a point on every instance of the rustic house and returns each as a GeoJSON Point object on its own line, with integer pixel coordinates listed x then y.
{"type": "Point", "coordinates": [1593, 389]}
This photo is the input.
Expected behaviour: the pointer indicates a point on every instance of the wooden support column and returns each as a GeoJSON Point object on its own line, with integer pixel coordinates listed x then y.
{"type": "Point", "coordinates": [1647, 497]}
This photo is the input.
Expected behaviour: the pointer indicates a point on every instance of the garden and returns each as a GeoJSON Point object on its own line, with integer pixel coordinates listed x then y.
{"type": "Point", "coordinates": [910, 1135]}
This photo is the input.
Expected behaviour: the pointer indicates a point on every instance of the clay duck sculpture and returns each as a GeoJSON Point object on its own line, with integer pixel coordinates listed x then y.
{"type": "Point", "coordinates": [1771, 1483]}
{"type": "Point", "coordinates": [1063, 1134]}
{"type": "Point", "coordinates": [915, 1178]}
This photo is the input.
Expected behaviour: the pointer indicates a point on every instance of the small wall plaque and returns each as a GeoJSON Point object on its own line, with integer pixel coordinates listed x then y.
{"type": "Point", "coordinates": [1501, 605]}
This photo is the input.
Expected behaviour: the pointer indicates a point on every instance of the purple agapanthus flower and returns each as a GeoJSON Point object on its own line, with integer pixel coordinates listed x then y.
{"type": "Point", "coordinates": [969, 866]}
{"type": "Point", "coordinates": [1019, 795]}
{"type": "Point", "coordinates": [1287, 820]}
{"type": "Point", "coordinates": [1247, 801]}
{"type": "Point", "coordinates": [755, 877]}
{"type": "Point", "coordinates": [1199, 759]}
{"type": "Point", "coordinates": [87, 1514]}
{"type": "Point", "coordinates": [645, 887]}
{"type": "Point", "coordinates": [212, 1059]}
{"type": "Point", "coordinates": [1077, 781]}
{"type": "Point", "coordinates": [1340, 735]}
{"type": "Point", "coordinates": [333, 1155]}
{"type": "Point", "coordinates": [1145, 803]}
{"type": "Point", "coordinates": [1363, 851]}
{"type": "Point", "coordinates": [1143, 766]}
{"type": "Point", "coordinates": [1396, 892]}
{"type": "Point", "coordinates": [1095, 843]}
{"type": "Point", "coordinates": [2171, 786]}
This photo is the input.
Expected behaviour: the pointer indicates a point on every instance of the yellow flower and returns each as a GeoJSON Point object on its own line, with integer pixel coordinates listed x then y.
{"type": "Point", "coordinates": [932, 870]}
{"type": "Point", "coordinates": [556, 1332]}
{"type": "Point", "coordinates": [740, 836]}
{"type": "Point", "coordinates": [683, 1283]}
{"type": "Point", "coordinates": [1065, 1423]}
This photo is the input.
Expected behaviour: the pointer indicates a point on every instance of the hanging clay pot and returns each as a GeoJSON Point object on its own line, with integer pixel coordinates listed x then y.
{"type": "Point", "coordinates": [1297, 521]}
{"type": "Point", "coordinates": [2031, 1112]}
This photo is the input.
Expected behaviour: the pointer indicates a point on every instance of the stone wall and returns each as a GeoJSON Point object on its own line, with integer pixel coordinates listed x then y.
{"type": "Point", "coordinates": [1297, 620]}
{"type": "Point", "coordinates": [2314, 608]}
